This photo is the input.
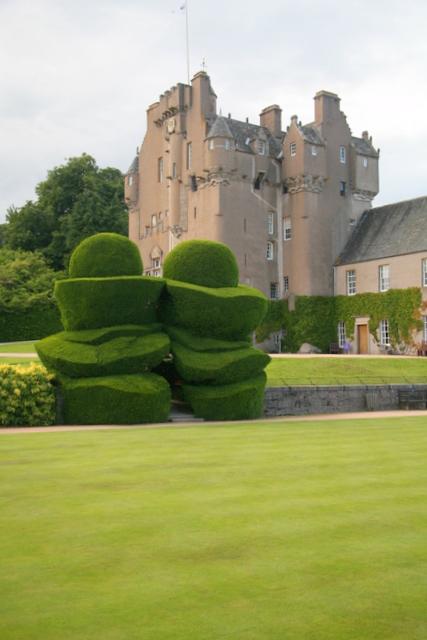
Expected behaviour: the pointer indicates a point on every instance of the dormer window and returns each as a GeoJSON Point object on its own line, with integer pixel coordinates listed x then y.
{"type": "Point", "coordinates": [260, 147]}
{"type": "Point", "coordinates": [342, 154]}
{"type": "Point", "coordinates": [227, 144]}
{"type": "Point", "coordinates": [293, 148]}
{"type": "Point", "coordinates": [247, 142]}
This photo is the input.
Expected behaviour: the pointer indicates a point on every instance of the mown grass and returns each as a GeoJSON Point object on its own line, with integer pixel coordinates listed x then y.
{"type": "Point", "coordinates": [17, 347]}
{"type": "Point", "coordinates": [313, 531]}
{"type": "Point", "coordinates": [317, 371]}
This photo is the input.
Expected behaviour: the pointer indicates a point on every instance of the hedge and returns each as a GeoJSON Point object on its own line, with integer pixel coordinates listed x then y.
{"type": "Point", "coordinates": [124, 399]}
{"type": "Point", "coordinates": [202, 262]}
{"type": "Point", "coordinates": [218, 368]}
{"type": "Point", "coordinates": [197, 343]}
{"type": "Point", "coordinates": [239, 401]}
{"type": "Point", "coordinates": [105, 255]}
{"type": "Point", "coordinates": [98, 336]}
{"type": "Point", "coordinates": [126, 355]}
{"type": "Point", "coordinates": [31, 324]}
{"type": "Point", "coordinates": [229, 313]}
{"type": "Point", "coordinates": [91, 303]}
{"type": "Point", "coordinates": [27, 397]}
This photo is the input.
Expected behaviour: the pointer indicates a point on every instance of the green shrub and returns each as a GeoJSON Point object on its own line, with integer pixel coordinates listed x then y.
{"type": "Point", "coordinates": [105, 255]}
{"type": "Point", "coordinates": [98, 336]}
{"type": "Point", "coordinates": [126, 354]}
{"type": "Point", "coordinates": [239, 401]}
{"type": "Point", "coordinates": [230, 313]}
{"type": "Point", "coordinates": [218, 368]}
{"type": "Point", "coordinates": [27, 396]}
{"type": "Point", "coordinates": [196, 343]}
{"type": "Point", "coordinates": [125, 399]}
{"type": "Point", "coordinates": [31, 324]}
{"type": "Point", "coordinates": [92, 303]}
{"type": "Point", "coordinates": [202, 262]}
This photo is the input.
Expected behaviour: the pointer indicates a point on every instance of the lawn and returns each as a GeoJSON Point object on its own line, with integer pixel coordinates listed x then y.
{"type": "Point", "coordinates": [17, 347]}
{"type": "Point", "coordinates": [275, 531]}
{"type": "Point", "coordinates": [318, 371]}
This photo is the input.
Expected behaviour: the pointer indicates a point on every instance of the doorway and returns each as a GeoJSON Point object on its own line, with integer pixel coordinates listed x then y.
{"type": "Point", "coordinates": [362, 338]}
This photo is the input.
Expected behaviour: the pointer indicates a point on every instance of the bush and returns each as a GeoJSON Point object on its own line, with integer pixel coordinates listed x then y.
{"type": "Point", "coordinates": [37, 322]}
{"type": "Point", "coordinates": [196, 343]}
{"type": "Point", "coordinates": [105, 255]}
{"type": "Point", "coordinates": [239, 401]}
{"type": "Point", "coordinates": [125, 399]}
{"type": "Point", "coordinates": [202, 262]}
{"type": "Point", "coordinates": [218, 368]}
{"type": "Point", "coordinates": [27, 396]}
{"type": "Point", "coordinates": [92, 303]}
{"type": "Point", "coordinates": [126, 354]}
{"type": "Point", "coordinates": [98, 336]}
{"type": "Point", "coordinates": [230, 313]}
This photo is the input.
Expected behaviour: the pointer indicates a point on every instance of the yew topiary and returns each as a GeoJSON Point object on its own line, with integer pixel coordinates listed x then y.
{"type": "Point", "coordinates": [202, 262]}
{"type": "Point", "coordinates": [104, 255]}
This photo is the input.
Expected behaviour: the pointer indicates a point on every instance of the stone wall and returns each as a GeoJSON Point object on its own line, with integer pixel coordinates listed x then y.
{"type": "Point", "coordinates": [305, 400]}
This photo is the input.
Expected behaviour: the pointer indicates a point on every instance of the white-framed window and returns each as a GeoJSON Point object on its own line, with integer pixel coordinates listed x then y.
{"type": "Point", "coordinates": [293, 148]}
{"type": "Point", "coordinates": [343, 188]}
{"type": "Point", "coordinates": [270, 223]}
{"type": "Point", "coordinates": [341, 334]}
{"type": "Point", "coordinates": [424, 272]}
{"type": "Point", "coordinates": [227, 144]}
{"type": "Point", "coordinates": [287, 229]}
{"type": "Point", "coordinates": [313, 150]}
{"type": "Point", "coordinates": [160, 169]}
{"type": "Point", "coordinates": [270, 251]}
{"type": "Point", "coordinates": [350, 277]}
{"type": "Point", "coordinates": [189, 155]}
{"type": "Point", "coordinates": [285, 284]}
{"type": "Point", "coordinates": [425, 328]}
{"type": "Point", "coordinates": [154, 220]}
{"type": "Point", "coordinates": [211, 144]}
{"type": "Point", "coordinates": [260, 147]}
{"type": "Point", "coordinates": [384, 333]}
{"type": "Point", "coordinates": [274, 290]}
{"type": "Point", "coordinates": [130, 180]}
{"type": "Point", "coordinates": [365, 163]}
{"type": "Point", "coordinates": [384, 277]}
{"type": "Point", "coordinates": [342, 154]}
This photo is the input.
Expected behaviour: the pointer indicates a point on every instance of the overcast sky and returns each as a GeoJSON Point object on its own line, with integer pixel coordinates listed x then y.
{"type": "Point", "coordinates": [77, 75]}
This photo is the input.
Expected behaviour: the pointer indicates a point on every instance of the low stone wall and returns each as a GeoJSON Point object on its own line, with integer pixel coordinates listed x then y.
{"type": "Point", "coordinates": [296, 401]}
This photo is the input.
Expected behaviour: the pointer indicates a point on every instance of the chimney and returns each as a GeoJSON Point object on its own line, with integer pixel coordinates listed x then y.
{"type": "Point", "coordinates": [326, 107]}
{"type": "Point", "coordinates": [365, 135]}
{"type": "Point", "coordinates": [204, 96]}
{"type": "Point", "coordinates": [271, 119]}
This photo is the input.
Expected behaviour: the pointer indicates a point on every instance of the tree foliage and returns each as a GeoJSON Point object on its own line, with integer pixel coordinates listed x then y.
{"type": "Point", "coordinates": [78, 199]}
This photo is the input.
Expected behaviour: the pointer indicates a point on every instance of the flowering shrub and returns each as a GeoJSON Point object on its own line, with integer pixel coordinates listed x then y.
{"type": "Point", "coordinates": [27, 396]}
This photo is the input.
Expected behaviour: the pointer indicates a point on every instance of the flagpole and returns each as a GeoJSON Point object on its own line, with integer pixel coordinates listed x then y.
{"type": "Point", "coordinates": [187, 41]}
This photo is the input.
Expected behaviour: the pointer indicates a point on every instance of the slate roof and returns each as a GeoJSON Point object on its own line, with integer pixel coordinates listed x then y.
{"type": "Point", "coordinates": [220, 129]}
{"type": "Point", "coordinates": [392, 230]}
{"type": "Point", "coordinates": [364, 147]}
{"type": "Point", "coordinates": [134, 167]}
{"type": "Point", "coordinates": [311, 134]}
{"type": "Point", "coordinates": [241, 132]}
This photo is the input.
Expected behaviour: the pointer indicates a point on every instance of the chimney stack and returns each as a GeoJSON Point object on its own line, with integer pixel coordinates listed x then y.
{"type": "Point", "coordinates": [271, 119]}
{"type": "Point", "coordinates": [326, 106]}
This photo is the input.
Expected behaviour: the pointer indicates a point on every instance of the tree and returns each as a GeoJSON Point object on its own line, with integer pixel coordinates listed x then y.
{"type": "Point", "coordinates": [75, 201]}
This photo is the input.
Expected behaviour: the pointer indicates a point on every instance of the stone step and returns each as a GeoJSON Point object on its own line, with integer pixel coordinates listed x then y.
{"type": "Point", "coordinates": [181, 412]}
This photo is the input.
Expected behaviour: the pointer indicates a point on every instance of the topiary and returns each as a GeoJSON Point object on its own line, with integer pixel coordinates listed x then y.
{"type": "Point", "coordinates": [202, 262]}
{"type": "Point", "coordinates": [105, 255]}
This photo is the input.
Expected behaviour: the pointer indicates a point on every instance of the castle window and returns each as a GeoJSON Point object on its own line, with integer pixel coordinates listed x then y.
{"type": "Point", "coordinates": [342, 154]}
{"type": "Point", "coordinates": [154, 220]}
{"type": "Point", "coordinates": [270, 251]}
{"type": "Point", "coordinates": [365, 162]}
{"type": "Point", "coordinates": [244, 225]}
{"type": "Point", "coordinates": [341, 334]}
{"type": "Point", "coordinates": [287, 229]}
{"type": "Point", "coordinates": [293, 148]}
{"type": "Point", "coordinates": [384, 333]}
{"type": "Point", "coordinates": [258, 180]}
{"type": "Point", "coordinates": [270, 223]}
{"type": "Point", "coordinates": [227, 144]}
{"type": "Point", "coordinates": [384, 277]}
{"type": "Point", "coordinates": [130, 180]}
{"type": "Point", "coordinates": [160, 169]}
{"type": "Point", "coordinates": [173, 169]}
{"type": "Point", "coordinates": [425, 328]}
{"type": "Point", "coordinates": [274, 290]}
{"type": "Point", "coordinates": [351, 282]}
{"type": "Point", "coordinates": [193, 183]}
{"type": "Point", "coordinates": [342, 188]}
{"type": "Point", "coordinates": [286, 284]}
{"type": "Point", "coordinates": [211, 144]}
{"type": "Point", "coordinates": [424, 273]}
{"type": "Point", "coordinates": [195, 212]}
{"type": "Point", "coordinates": [189, 155]}
{"type": "Point", "coordinates": [260, 147]}
{"type": "Point", "coordinates": [314, 151]}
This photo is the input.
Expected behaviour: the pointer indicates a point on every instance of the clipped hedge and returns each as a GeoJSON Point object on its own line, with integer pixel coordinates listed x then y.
{"type": "Point", "coordinates": [98, 336]}
{"type": "Point", "coordinates": [105, 255]}
{"type": "Point", "coordinates": [239, 401]}
{"type": "Point", "coordinates": [229, 313]}
{"type": "Point", "coordinates": [218, 368]}
{"type": "Point", "coordinates": [92, 303]}
{"type": "Point", "coordinates": [30, 324]}
{"type": "Point", "coordinates": [27, 397]}
{"type": "Point", "coordinates": [197, 343]}
{"type": "Point", "coordinates": [202, 262]}
{"type": "Point", "coordinates": [124, 399]}
{"type": "Point", "coordinates": [127, 355]}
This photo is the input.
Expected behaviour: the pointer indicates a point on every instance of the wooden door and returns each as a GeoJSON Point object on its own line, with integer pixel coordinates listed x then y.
{"type": "Point", "coordinates": [362, 338]}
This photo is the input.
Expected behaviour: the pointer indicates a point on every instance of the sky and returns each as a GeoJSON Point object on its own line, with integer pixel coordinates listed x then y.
{"type": "Point", "coordinates": [77, 76]}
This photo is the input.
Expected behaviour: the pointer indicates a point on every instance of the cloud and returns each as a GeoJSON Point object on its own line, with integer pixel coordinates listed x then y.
{"type": "Point", "coordinates": [81, 75]}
